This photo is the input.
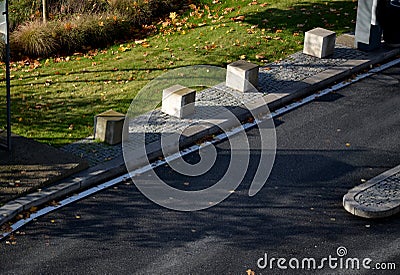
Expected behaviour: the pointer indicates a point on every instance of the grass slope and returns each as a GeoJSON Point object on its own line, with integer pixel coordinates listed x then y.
{"type": "Point", "coordinates": [54, 100]}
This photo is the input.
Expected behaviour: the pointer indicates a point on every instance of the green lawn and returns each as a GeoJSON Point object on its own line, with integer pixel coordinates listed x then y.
{"type": "Point", "coordinates": [54, 100]}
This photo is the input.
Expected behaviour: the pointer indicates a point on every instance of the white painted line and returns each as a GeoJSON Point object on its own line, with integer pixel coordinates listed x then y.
{"type": "Point", "coordinates": [385, 66]}
{"type": "Point", "coordinates": [191, 149]}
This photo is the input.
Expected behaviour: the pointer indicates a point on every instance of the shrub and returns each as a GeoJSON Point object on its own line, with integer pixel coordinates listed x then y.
{"type": "Point", "coordinates": [70, 36]}
{"type": "Point", "coordinates": [94, 23]}
{"type": "Point", "coordinates": [101, 30]}
{"type": "Point", "coordinates": [35, 39]}
{"type": "Point", "coordinates": [45, 39]}
{"type": "Point", "coordinates": [21, 11]}
{"type": "Point", "coordinates": [63, 8]}
{"type": "Point", "coordinates": [138, 12]}
{"type": "Point", "coordinates": [142, 11]}
{"type": "Point", "coordinates": [2, 48]}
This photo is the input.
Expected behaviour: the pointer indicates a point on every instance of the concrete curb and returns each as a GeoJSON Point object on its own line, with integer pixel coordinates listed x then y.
{"type": "Point", "coordinates": [116, 167]}
{"type": "Point", "coordinates": [382, 207]}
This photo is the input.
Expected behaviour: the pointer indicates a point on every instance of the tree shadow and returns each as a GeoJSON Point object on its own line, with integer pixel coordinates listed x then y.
{"type": "Point", "coordinates": [326, 14]}
{"type": "Point", "coordinates": [31, 165]}
{"type": "Point", "coordinates": [300, 199]}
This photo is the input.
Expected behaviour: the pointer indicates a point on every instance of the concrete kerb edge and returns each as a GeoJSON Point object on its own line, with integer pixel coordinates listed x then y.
{"type": "Point", "coordinates": [61, 189]}
{"type": "Point", "coordinates": [367, 213]}
{"type": "Point", "coordinates": [9, 211]}
{"type": "Point", "coordinates": [92, 177]}
{"type": "Point", "coordinates": [351, 205]}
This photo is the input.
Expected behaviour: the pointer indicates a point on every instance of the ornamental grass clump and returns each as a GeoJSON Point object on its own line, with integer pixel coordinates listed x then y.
{"type": "Point", "coordinates": [80, 25]}
{"type": "Point", "coordinates": [35, 39]}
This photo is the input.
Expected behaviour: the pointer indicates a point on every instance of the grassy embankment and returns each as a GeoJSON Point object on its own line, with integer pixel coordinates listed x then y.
{"type": "Point", "coordinates": [54, 99]}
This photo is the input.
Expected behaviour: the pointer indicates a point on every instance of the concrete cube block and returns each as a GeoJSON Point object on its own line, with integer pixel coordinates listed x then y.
{"type": "Point", "coordinates": [178, 101]}
{"type": "Point", "coordinates": [109, 127]}
{"type": "Point", "coordinates": [319, 42]}
{"type": "Point", "coordinates": [242, 76]}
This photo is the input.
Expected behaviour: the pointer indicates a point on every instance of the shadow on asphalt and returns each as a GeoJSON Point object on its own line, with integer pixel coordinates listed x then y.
{"type": "Point", "coordinates": [306, 202]}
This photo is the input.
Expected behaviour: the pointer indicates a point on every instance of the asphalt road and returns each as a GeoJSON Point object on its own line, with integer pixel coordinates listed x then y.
{"type": "Point", "coordinates": [324, 149]}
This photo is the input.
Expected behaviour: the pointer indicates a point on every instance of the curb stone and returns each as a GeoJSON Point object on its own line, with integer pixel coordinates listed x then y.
{"type": "Point", "coordinates": [377, 198]}
{"type": "Point", "coordinates": [116, 167]}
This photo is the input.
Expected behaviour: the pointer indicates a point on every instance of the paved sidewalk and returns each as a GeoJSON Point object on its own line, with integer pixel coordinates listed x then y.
{"type": "Point", "coordinates": [377, 198]}
{"type": "Point", "coordinates": [280, 83]}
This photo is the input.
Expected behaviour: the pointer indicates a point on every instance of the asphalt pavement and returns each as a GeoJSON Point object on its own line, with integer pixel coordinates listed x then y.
{"type": "Point", "coordinates": [324, 149]}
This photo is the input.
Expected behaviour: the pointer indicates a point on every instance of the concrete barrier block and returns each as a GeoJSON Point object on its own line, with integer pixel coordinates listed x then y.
{"type": "Point", "coordinates": [109, 127]}
{"type": "Point", "coordinates": [319, 42]}
{"type": "Point", "coordinates": [242, 76]}
{"type": "Point", "coordinates": [178, 101]}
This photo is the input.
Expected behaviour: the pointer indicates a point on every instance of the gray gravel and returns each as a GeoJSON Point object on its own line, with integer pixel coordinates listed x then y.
{"type": "Point", "coordinates": [273, 77]}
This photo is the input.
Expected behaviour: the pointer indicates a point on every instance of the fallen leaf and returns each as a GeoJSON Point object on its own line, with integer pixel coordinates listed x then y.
{"type": "Point", "coordinates": [239, 18]}
{"type": "Point", "coordinates": [54, 203]}
{"type": "Point", "coordinates": [172, 15]}
{"type": "Point", "coordinates": [210, 47]}
{"type": "Point", "coordinates": [140, 41]}
{"type": "Point", "coordinates": [123, 49]}
{"type": "Point", "coordinates": [145, 45]}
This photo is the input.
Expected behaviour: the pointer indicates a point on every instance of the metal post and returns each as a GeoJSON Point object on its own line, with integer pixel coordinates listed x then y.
{"type": "Point", "coordinates": [5, 31]}
{"type": "Point", "coordinates": [8, 84]}
{"type": "Point", "coordinates": [368, 32]}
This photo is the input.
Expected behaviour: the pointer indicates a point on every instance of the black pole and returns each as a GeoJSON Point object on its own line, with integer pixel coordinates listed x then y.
{"type": "Point", "coordinates": [8, 84]}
